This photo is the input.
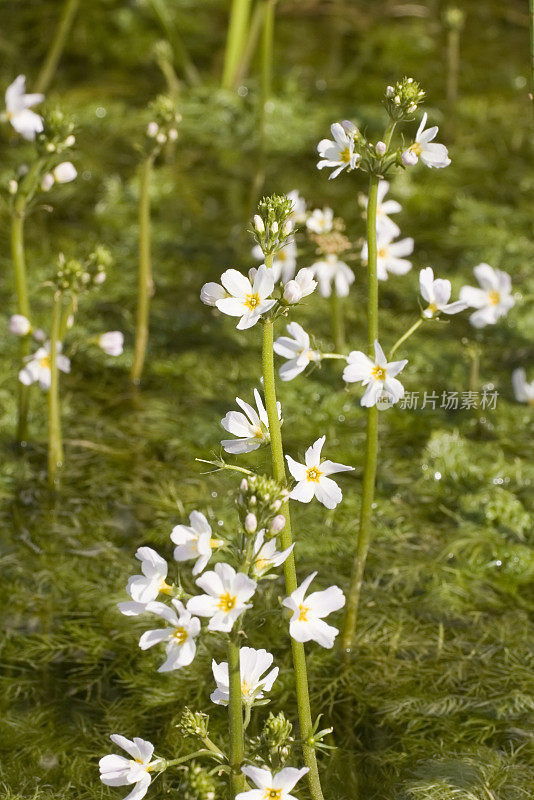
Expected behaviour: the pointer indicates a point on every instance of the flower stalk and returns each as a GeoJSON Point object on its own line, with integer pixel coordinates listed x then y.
{"type": "Point", "coordinates": [235, 717]}
{"type": "Point", "coordinates": [405, 336]}
{"type": "Point", "coordinates": [55, 445]}
{"type": "Point", "coordinates": [48, 70]}
{"type": "Point", "coordinates": [145, 272]}
{"type": "Point", "coordinates": [235, 42]}
{"type": "Point", "coordinates": [279, 472]}
{"type": "Point", "coordinates": [338, 321]}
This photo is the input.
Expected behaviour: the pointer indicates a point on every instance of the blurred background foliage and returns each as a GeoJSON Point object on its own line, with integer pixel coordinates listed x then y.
{"type": "Point", "coordinates": [441, 686]}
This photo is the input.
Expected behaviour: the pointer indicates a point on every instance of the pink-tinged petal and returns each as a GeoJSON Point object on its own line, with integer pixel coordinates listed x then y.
{"type": "Point", "coordinates": [328, 493]}
{"type": "Point", "coordinates": [298, 471]}
{"type": "Point", "coordinates": [312, 456]}
{"type": "Point", "coordinates": [303, 491]}
{"type": "Point", "coordinates": [235, 283]}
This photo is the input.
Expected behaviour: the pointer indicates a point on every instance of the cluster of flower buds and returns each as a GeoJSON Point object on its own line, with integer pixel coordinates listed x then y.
{"type": "Point", "coordinates": [272, 224]}
{"type": "Point", "coordinates": [276, 736]}
{"type": "Point", "coordinates": [402, 100]}
{"type": "Point", "coordinates": [57, 135]}
{"type": "Point", "coordinates": [163, 126]}
{"type": "Point", "coordinates": [193, 723]}
{"type": "Point", "coordinates": [75, 277]}
{"type": "Point", "coordinates": [259, 502]}
{"type": "Point", "coordinates": [200, 783]}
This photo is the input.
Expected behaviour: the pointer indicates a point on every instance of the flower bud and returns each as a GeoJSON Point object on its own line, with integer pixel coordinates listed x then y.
{"type": "Point", "coordinates": [276, 505]}
{"type": "Point", "coordinates": [278, 524]}
{"type": "Point", "coordinates": [349, 127]}
{"type": "Point", "coordinates": [288, 227]}
{"type": "Point", "coordinates": [70, 140]}
{"type": "Point", "coordinates": [381, 148]}
{"type": "Point", "coordinates": [253, 500]}
{"type": "Point", "coordinates": [258, 224]}
{"type": "Point", "coordinates": [211, 292]}
{"type": "Point", "coordinates": [12, 186]}
{"type": "Point", "coordinates": [111, 343]}
{"type": "Point", "coordinates": [251, 523]}
{"type": "Point", "coordinates": [244, 485]}
{"type": "Point", "coordinates": [292, 292]}
{"type": "Point", "coordinates": [409, 158]}
{"type": "Point", "coordinates": [161, 138]}
{"type": "Point", "coordinates": [39, 335]}
{"type": "Point", "coordinates": [65, 172]}
{"type": "Point", "coordinates": [19, 325]}
{"type": "Point", "coordinates": [274, 227]}
{"type": "Point", "coordinates": [100, 277]}
{"type": "Point", "coordinates": [47, 182]}
{"type": "Point", "coordinates": [390, 91]}
{"type": "Point", "coordinates": [152, 129]}
{"type": "Point", "coordinates": [173, 134]}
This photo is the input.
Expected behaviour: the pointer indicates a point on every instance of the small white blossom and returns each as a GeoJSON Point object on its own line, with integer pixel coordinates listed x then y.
{"type": "Point", "coordinates": [430, 153]}
{"type": "Point", "coordinates": [298, 206]}
{"type": "Point", "coordinates": [338, 153]}
{"type": "Point", "coordinates": [523, 390]}
{"type": "Point", "coordinates": [112, 343]}
{"type": "Point", "coordinates": [390, 257]}
{"type": "Point", "coordinates": [271, 787]}
{"type": "Point", "coordinates": [64, 172]}
{"type": "Point", "coordinates": [377, 375]}
{"type": "Point", "coordinates": [251, 427]}
{"type": "Point", "coordinates": [493, 300]}
{"type": "Point", "coordinates": [321, 220]}
{"type": "Point", "coordinates": [296, 348]}
{"type": "Point", "coordinates": [120, 771]}
{"type": "Point", "coordinates": [265, 555]}
{"type": "Point", "coordinates": [381, 148]}
{"type": "Point", "coordinates": [247, 300]}
{"type": "Point", "coordinates": [146, 587]}
{"type": "Point", "coordinates": [19, 325]}
{"type": "Point", "coordinates": [252, 665]}
{"type": "Point", "coordinates": [312, 477]}
{"type": "Point", "coordinates": [194, 541]}
{"type": "Point", "coordinates": [259, 224]}
{"type": "Point", "coordinates": [330, 271]}
{"type": "Point", "coordinates": [18, 105]}
{"type": "Point", "coordinates": [300, 286]}
{"type": "Point", "coordinates": [212, 292]}
{"type": "Point", "coordinates": [306, 623]}
{"type": "Point", "coordinates": [180, 645]}
{"type": "Point", "coordinates": [437, 293]}
{"type": "Point", "coordinates": [152, 129]}
{"type": "Point", "coordinates": [227, 593]}
{"type": "Point", "coordinates": [37, 366]}
{"type": "Point", "coordinates": [284, 262]}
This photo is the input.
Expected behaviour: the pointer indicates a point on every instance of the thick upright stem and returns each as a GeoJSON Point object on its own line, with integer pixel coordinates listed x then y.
{"type": "Point", "coordinates": [235, 718]}
{"type": "Point", "coordinates": [531, 16]}
{"type": "Point", "coordinates": [56, 48]}
{"type": "Point", "coordinates": [235, 41]}
{"type": "Point", "coordinates": [55, 445]}
{"type": "Point", "coordinates": [371, 443]}
{"type": "Point", "coordinates": [145, 272]}
{"type": "Point", "coordinates": [279, 472]}
{"type": "Point", "coordinates": [23, 307]}
{"type": "Point", "coordinates": [338, 323]}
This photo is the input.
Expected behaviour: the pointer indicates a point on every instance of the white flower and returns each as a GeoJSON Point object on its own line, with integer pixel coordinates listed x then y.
{"type": "Point", "coordinates": [180, 637]}
{"type": "Point", "coordinates": [18, 105]}
{"type": "Point", "coordinates": [321, 220]}
{"type": "Point", "coordinates": [430, 153]}
{"type": "Point", "coordinates": [227, 592]}
{"type": "Point", "coordinates": [252, 665]}
{"type": "Point", "coordinates": [332, 270]}
{"type": "Point", "coordinates": [252, 427]}
{"type": "Point", "coordinates": [284, 262]}
{"type": "Point", "coordinates": [152, 129]}
{"type": "Point", "coordinates": [377, 375]}
{"type": "Point", "coordinates": [381, 148]}
{"type": "Point", "coordinates": [111, 343]}
{"type": "Point", "coordinates": [524, 391]}
{"type": "Point", "coordinates": [47, 182]}
{"type": "Point", "coordinates": [194, 541]}
{"type": "Point", "coordinates": [146, 587]}
{"type": "Point", "coordinates": [385, 227]}
{"type": "Point", "coordinates": [300, 286]}
{"type": "Point", "coordinates": [437, 292]}
{"type": "Point", "coordinates": [296, 348]}
{"type": "Point", "coordinates": [247, 300]}
{"type": "Point", "coordinates": [211, 292]}
{"type": "Point", "coordinates": [120, 771]}
{"type": "Point", "coordinates": [390, 257]}
{"type": "Point", "coordinates": [37, 366]}
{"type": "Point", "coordinates": [338, 153]}
{"type": "Point", "coordinates": [271, 787]}
{"type": "Point", "coordinates": [65, 172]}
{"type": "Point", "coordinates": [312, 477]}
{"type": "Point", "coordinates": [19, 325]}
{"type": "Point", "coordinates": [265, 556]}
{"type": "Point", "coordinates": [307, 624]}
{"type": "Point", "coordinates": [493, 300]}
{"type": "Point", "coordinates": [298, 206]}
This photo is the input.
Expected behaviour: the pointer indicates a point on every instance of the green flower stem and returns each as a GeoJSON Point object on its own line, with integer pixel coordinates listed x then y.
{"type": "Point", "coordinates": [405, 336]}
{"type": "Point", "coordinates": [338, 322]}
{"type": "Point", "coordinates": [453, 69]}
{"type": "Point", "coordinates": [55, 446]}
{"type": "Point", "coordinates": [235, 42]}
{"type": "Point", "coordinates": [235, 716]}
{"type": "Point", "coordinates": [49, 67]}
{"type": "Point", "coordinates": [531, 17]}
{"type": "Point", "coordinates": [183, 759]}
{"type": "Point", "coordinates": [279, 472]}
{"type": "Point", "coordinates": [67, 313]}
{"type": "Point", "coordinates": [145, 272]}
{"type": "Point", "coordinates": [371, 443]}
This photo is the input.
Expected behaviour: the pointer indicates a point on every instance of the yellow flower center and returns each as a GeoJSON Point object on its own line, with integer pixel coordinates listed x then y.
{"type": "Point", "coordinates": [379, 373]}
{"type": "Point", "coordinates": [180, 634]}
{"type": "Point", "coordinates": [260, 564]}
{"type": "Point", "coordinates": [246, 689]}
{"type": "Point", "coordinates": [44, 362]}
{"type": "Point", "coordinates": [281, 255]}
{"type": "Point", "coordinates": [165, 588]}
{"type": "Point", "coordinates": [303, 613]}
{"type": "Point", "coordinates": [252, 301]}
{"type": "Point", "coordinates": [272, 794]}
{"type": "Point", "coordinates": [494, 298]}
{"type": "Point", "coordinates": [416, 148]}
{"type": "Point", "coordinates": [258, 433]}
{"type": "Point", "coordinates": [313, 474]}
{"type": "Point", "coordinates": [382, 252]}
{"type": "Point", "coordinates": [432, 308]}
{"type": "Point", "coordinates": [226, 602]}
{"type": "Point", "coordinates": [345, 155]}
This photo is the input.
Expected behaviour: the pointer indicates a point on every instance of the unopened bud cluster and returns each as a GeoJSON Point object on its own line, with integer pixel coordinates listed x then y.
{"type": "Point", "coordinates": [75, 277]}
{"type": "Point", "coordinates": [193, 723]}
{"type": "Point", "coordinates": [200, 784]}
{"type": "Point", "coordinates": [272, 224]}
{"type": "Point", "coordinates": [259, 502]}
{"type": "Point", "coordinates": [276, 734]}
{"type": "Point", "coordinates": [402, 100]}
{"type": "Point", "coordinates": [57, 135]}
{"type": "Point", "coordinates": [163, 126]}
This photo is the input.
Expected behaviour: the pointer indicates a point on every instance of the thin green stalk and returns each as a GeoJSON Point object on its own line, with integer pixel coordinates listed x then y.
{"type": "Point", "coordinates": [56, 48]}
{"type": "Point", "coordinates": [279, 472]}
{"type": "Point", "coordinates": [145, 272]}
{"type": "Point", "coordinates": [235, 41]}
{"type": "Point", "coordinates": [250, 44]}
{"type": "Point", "coordinates": [266, 88]}
{"type": "Point", "coordinates": [531, 16]}
{"type": "Point", "coordinates": [235, 717]}
{"type": "Point", "coordinates": [55, 446]}
{"type": "Point", "coordinates": [371, 442]}
{"type": "Point", "coordinates": [405, 336]}
{"type": "Point", "coordinates": [338, 322]}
